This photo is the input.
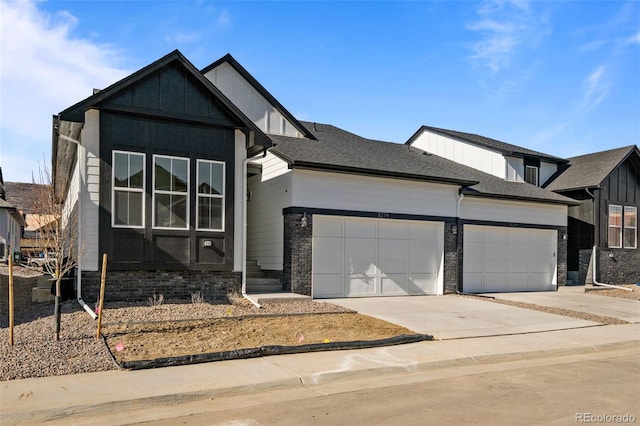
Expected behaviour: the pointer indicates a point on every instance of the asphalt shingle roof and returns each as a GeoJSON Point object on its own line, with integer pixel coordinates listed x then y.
{"type": "Point", "coordinates": [503, 147]}
{"type": "Point", "coordinates": [589, 170]}
{"type": "Point", "coordinates": [339, 150]}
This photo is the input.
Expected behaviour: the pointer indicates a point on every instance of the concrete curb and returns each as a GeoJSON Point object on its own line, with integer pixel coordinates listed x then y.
{"type": "Point", "coordinates": [289, 380]}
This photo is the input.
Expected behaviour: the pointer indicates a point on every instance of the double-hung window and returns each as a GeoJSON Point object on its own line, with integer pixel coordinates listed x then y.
{"type": "Point", "coordinates": [630, 231]}
{"type": "Point", "coordinates": [170, 192]}
{"type": "Point", "coordinates": [623, 226]}
{"type": "Point", "coordinates": [210, 197]}
{"type": "Point", "coordinates": [128, 189]}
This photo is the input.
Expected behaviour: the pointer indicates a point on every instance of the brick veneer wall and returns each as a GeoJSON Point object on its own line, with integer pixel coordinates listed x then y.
{"type": "Point", "coordinates": [140, 285]}
{"type": "Point", "coordinates": [451, 256]}
{"type": "Point", "coordinates": [296, 268]}
{"type": "Point", "coordinates": [622, 268]}
{"type": "Point", "coordinates": [562, 257]}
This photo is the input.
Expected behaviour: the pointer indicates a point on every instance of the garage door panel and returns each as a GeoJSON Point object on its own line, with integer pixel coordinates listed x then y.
{"type": "Point", "coordinates": [424, 231]}
{"type": "Point", "coordinates": [360, 229]}
{"type": "Point", "coordinates": [376, 257]}
{"type": "Point", "coordinates": [330, 256]}
{"type": "Point", "coordinates": [395, 284]}
{"type": "Point", "coordinates": [393, 256]}
{"type": "Point", "coordinates": [327, 227]}
{"type": "Point", "coordinates": [508, 259]}
{"type": "Point", "coordinates": [361, 284]}
{"type": "Point", "coordinates": [423, 284]}
{"type": "Point", "coordinates": [328, 285]}
{"type": "Point", "coordinates": [394, 230]}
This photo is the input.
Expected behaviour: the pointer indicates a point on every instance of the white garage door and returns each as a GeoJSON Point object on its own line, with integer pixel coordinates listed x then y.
{"type": "Point", "coordinates": [498, 259]}
{"type": "Point", "coordinates": [376, 257]}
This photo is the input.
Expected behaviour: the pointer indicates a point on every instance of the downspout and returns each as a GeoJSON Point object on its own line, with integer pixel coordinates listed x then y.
{"type": "Point", "coordinates": [245, 185]}
{"type": "Point", "coordinates": [595, 282]}
{"type": "Point", "coordinates": [82, 303]}
{"type": "Point", "coordinates": [79, 282]}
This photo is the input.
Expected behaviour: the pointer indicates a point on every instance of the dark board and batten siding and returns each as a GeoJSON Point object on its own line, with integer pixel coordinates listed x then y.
{"type": "Point", "coordinates": [621, 187]}
{"type": "Point", "coordinates": [168, 113]}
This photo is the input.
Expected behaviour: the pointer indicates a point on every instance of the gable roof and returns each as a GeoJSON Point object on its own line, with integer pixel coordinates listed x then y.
{"type": "Point", "coordinates": [76, 112]}
{"type": "Point", "coordinates": [338, 150]}
{"type": "Point", "coordinates": [589, 170]}
{"type": "Point", "coordinates": [22, 195]}
{"type": "Point", "coordinates": [260, 88]}
{"type": "Point", "coordinates": [13, 212]}
{"type": "Point", "coordinates": [482, 141]}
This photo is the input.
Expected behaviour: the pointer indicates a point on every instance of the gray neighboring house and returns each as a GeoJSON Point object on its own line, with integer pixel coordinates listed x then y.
{"type": "Point", "coordinates": [607, 186]}
{"type": "Point", "coordinates": [11, 224]}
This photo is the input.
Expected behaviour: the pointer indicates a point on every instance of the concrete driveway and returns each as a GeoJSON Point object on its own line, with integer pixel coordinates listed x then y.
{"type": "Point", "coordinates": [454, 317]}
{"type": "Point", "coordinates": [624, 309]}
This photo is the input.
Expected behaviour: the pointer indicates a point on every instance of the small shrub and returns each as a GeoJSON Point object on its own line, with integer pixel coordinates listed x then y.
{"type": "Point", "coordinates": [155, 300]}
{"type": "Point", "coordinates": [197, 298]}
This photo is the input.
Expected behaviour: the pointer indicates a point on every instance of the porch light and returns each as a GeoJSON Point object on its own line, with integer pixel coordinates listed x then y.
{"type": "Point", "coordinates": [303, 221]}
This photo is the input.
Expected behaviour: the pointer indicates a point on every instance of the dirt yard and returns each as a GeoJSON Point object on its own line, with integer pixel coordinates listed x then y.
{"type": "Point", "coordinates": [147, 341]}
{"type": "Point", "coordinates": [616, 292]}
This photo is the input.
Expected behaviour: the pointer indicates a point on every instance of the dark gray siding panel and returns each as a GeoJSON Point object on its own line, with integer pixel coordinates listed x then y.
{"type": "Point", "coordinates": [154, 249]}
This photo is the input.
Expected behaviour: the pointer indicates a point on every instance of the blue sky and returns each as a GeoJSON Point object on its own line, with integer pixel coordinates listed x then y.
{"type": "Point", "coordinates": [559, 77]}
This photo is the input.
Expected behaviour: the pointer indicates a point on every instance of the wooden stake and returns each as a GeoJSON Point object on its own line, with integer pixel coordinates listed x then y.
{"type": "Point", "coordinates": [10, 297]}
{"type": "Point", "coordinates": [101, 301]}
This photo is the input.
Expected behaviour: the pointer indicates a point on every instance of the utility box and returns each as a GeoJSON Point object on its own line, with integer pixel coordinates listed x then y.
{"type": "Point", "coordinates": [15, 257]}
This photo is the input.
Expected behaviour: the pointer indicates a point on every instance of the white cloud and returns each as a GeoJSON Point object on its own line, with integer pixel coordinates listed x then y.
{"type": "Point", "coordinates": [596, 88]}
{"type": "Point", "coordinates": [43, 70]}
{"type": "Point", "coordinates": [505, 27]}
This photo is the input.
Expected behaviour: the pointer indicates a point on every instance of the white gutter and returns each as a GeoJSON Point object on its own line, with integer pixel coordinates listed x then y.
{"type": "Point", "coordinates": [245, 186]}
{"type": "Point", "coordinates": [595, 282]}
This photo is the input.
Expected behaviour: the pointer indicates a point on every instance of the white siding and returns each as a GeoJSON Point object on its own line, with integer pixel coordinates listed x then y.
{"type": "Point", "coordinates": [475, 208]}
{"type": "Point", "coordinates": [250, 101]}
{"type": "Point", "coordinates": [546, 171]}
{"type": "Point", "coordinates": [269, 194]}
{"type": "Point", "coordinates": [515, 169]}
{"type": "Point", "coordinates": [461, 152]}
{"type": "Point", "coordinates": [89, 165]}
{"type": "Point", "coordinates": [238, 182]}
{"type": "Point", "coordinates": [361, 193]}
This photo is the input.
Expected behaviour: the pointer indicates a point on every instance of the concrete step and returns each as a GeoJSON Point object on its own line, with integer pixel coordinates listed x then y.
{"type": "Point", "coordinates": [278, 297]}
{"type": "Point", "coordinates": [255, 274]}
{"type": "Point", "coordinates": [41, 295]}
{"type": "Point", "coordinates": [263, 285]}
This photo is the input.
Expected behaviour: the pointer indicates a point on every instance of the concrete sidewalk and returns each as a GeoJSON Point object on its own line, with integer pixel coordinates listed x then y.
{"type": "Point", "coordinates": [61, 398]}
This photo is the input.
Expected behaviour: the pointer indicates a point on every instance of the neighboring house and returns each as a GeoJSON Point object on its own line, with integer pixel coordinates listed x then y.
{"type": "Point", "coordinates": [11, 223]}
{"type": "Point", "coordinates": [154, 163]}
{"type": "Point", "coordinates": [23, 196]}
{"type": "Point", "coordinates": [506, 161]}
{"type": "Point", "coordinates": [607, 186]}
{"type": "Point", "coordinates": [157, 165]}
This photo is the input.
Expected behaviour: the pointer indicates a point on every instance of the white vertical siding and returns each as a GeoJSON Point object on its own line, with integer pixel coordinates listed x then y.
{"type": "Point", "coordinates": [461, 152]}
{"type": "Point", "coordinates": [238, 198]}
{"type": "Point", "coordinates": [89, 182]}
{"type": "Point", "coordinates": [250, 101]}
{"type": "Point", "coordinates": [270, 192]}
{"type": "Point", "coordinates": [364, 193]}
{"type": "Point", "coordinates": [515, 169]}
{"type": "Point", "coordinates": [476, 208]}
{"type": "Point", "coordinates": [546, 171]}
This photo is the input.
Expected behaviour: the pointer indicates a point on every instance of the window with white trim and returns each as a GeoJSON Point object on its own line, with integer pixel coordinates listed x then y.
{"type": "Point", "coordinates": [531, 175]}
{"type": "Point", "coordinates": [623, 226]}
{"type": "Point", "coordinates": [630, 227]}
{"type": "Point", "coordinates": [170, 192]}
{"type": "Point", "coordinates": [127, 198]}
{"type": "Point", "coordinates": [210, 196]}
